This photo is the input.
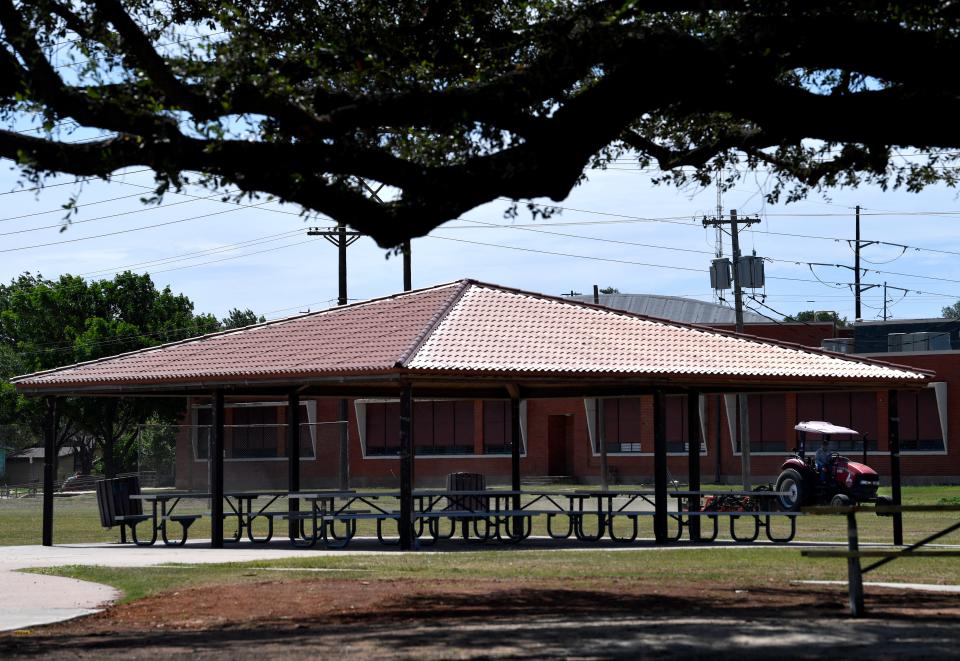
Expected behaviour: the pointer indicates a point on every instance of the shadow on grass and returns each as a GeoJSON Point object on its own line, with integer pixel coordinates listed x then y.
{"type": "Point", "coordinates": [548, 623]}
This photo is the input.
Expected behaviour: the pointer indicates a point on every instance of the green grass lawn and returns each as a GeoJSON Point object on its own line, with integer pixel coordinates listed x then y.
{"type": "Point", "coordinates": [746, 567]}
{"type": "Point", "coordinates": [76, 520]}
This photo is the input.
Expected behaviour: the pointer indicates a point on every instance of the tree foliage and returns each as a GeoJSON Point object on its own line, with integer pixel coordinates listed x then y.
{"type": "Point", "coordinates": [452, 104]}
{"type": "Point", "coordinates": [808, 316]}
{"type": "Point", "coordinates": [237, 318]}
{"type": "Point", "coordinates": [952, 311]}
{"type": "Point", "coordinates": [49, 323]}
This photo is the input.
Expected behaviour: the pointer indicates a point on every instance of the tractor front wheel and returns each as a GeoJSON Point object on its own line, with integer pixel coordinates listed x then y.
{"type": "Point", "coordinates": [791, 485]}
{"type": "Point", "coordinates": [840, 500]}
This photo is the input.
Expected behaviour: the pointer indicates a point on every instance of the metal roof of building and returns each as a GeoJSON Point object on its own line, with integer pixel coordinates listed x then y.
{"type": "Point", "coordinates": [674, 308]}
{"type": "Point", "coordinates": [467, 329]}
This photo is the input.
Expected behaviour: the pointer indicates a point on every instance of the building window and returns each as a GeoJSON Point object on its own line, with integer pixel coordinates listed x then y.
{"type": "Point", "coordinates": [440, 427]}
{"type": "Point", "coordinates": [255, 430]}
{"type": "Point", "coordinates": [253, 433]}
{"type": "Point", "coordinates": [767, 414]}
{"type": "Point", "coordinates": [857, 411]}
{"type": "Point", "coordinates": [920, 421]}
{"type": "Point", "coordinates": [497, 427]}
{"type": "Point", "coordinates": [621, 424]}
{"type": "Point", "coordinates": [383, 428]}
{"type": "Point", "coordinates": [622, 427]}
{"type": "Point", "coordinates": [443, 427]}
{"type": "Point", "coordinates": [203, 421]}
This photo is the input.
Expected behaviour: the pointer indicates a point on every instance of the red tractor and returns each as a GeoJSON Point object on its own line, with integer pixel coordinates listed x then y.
{"type": "Point", "coordinates": [839, 482]}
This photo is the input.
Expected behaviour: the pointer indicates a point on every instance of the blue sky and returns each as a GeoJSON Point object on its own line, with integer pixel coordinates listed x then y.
{"type": "Point", "coordinates": [616, 229]}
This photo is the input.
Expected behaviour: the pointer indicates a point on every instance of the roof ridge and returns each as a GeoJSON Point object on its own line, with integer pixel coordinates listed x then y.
{"type": "Point", "coordinates": [435, 321]}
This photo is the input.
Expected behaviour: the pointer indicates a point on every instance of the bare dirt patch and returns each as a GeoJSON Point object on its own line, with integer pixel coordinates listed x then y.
{"type": "Point", "coordinates": [483, 619]}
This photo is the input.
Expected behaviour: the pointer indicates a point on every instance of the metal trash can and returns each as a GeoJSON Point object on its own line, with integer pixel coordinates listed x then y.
{"type": "Point", "coordinates": [466, 482]}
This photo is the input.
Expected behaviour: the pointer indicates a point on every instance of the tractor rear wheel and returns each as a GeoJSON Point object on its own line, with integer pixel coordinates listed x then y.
{"type": "Point", "coordinates": [794, 490]}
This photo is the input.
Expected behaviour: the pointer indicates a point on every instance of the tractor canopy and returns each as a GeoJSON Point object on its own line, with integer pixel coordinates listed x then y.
{"type": "Point", "coordinates": [822, 427]}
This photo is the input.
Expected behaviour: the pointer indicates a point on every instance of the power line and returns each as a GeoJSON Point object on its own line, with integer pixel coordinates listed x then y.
{"type": "Point", "coordinates": [269, 238]}
{"type": "Point", "coordinates": [107, 217]}
{"type": "Point", "coordinates": [61, 208]}
{"type": "Point", "coordinates": [126, 231]}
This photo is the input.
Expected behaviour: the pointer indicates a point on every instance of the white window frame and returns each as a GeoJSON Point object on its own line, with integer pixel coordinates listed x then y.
{"type": "Point", "coordinates": [590, 407]}
{"type": "Point", "coordinates": [311, 422]}
{"type": "Point", "coordinates": [360, 406]}
{"type": "Point", "coordinates": [940, 391]}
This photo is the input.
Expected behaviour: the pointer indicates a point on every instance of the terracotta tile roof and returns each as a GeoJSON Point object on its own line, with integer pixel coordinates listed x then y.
{"type": "Point", "coordinates": [468, 328]}
{"type": "Point", "coordinates": [364, 337]}
{"type": "Point", "coordinates": [497, 330]}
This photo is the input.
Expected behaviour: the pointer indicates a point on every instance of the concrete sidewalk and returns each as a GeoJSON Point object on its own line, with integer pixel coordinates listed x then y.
{"type": "Point", "coordinates": [31, 600]}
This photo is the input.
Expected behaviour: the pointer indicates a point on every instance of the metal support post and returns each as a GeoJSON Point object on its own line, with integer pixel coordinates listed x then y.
{"type": "Point", "coordinates": [893, 439]}
{"type": "Point", "coordinates": [293, 460]}
{"type": "Point", "coordinates": [407, 450]}
{"type": "Point", "coordinates": [659, 466]}
{"type": "Point", "coordinates": [600, 420]}
{"type": "Point", "coordinates": [216, 484]}
{"type": "Point", "coordinates": [516, 439]}
{"type": "Point", "coordinates": [49, 467]}
{"type": "Point", "coordinates": [693, 460]}
{"type": "Point", "coordinates": [344, 471]}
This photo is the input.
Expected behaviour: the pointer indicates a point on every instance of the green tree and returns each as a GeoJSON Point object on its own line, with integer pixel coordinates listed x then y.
{"type": "Point", "coordinates": [952, 311]}
{"type": "Point", "coordinates": [808, 316]}
{"type": "Point", "coordinates": [454, 103]}
{"type": "Point", "coordinates": [609, 290]}
{"type": "Point", "coordinates": [237, 318]}
{"type": "Point", "coordinates": [46, 324]}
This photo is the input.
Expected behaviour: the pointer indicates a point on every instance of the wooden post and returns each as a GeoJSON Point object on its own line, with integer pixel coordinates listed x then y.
{"type": "Point", "coordinates": [49, 467]}
{"type": "Point", "coordinates": [854, 575]}
{"type": "Point", "coordinates": [893, 439]}
{"type": "Point", "coordinates": [293, 460]}
{"type": "Point", "coordinates": [693, 460]}
{"type": "Point", "coordinates": [515, 441]}
{"type": "Point", "coordinates": [344, 471]}
{"type": "Point", "coordinates": [216, 484]}
{"type": "Point", "coordinates": [407, 454]}
{"type": "Point", "coordinates": [659, 467]}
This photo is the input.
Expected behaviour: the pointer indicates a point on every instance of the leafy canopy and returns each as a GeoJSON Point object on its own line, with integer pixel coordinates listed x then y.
{"type": "Point", "coordinates": [452, 104]}
{"type": "Point", "coordinates": [49, 323]}
{"type": "Point", "coordinates": [808, 316]}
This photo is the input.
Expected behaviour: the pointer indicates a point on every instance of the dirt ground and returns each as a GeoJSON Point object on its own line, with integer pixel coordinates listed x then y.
{"type": "Point", "coordinates": [503, 619]}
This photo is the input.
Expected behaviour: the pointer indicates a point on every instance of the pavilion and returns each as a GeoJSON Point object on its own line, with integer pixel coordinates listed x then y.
{"type": "Point", "coordinates": [464, 339]}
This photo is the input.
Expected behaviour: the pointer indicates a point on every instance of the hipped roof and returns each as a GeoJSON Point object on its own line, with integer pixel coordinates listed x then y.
{"type": "Point", "coordinates": [470, 335]}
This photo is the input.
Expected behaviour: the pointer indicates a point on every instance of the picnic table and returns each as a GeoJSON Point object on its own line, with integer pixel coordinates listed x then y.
{"type": "Point", "coordinates": [331, 516]}
{"type": "Point", "coordinates": [759, 507]}
{"type": "Point", "coordinates": [240, 503]}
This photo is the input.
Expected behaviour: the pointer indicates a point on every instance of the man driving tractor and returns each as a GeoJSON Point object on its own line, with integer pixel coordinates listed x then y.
{"type": "Point", "coordinates": [822, 459]}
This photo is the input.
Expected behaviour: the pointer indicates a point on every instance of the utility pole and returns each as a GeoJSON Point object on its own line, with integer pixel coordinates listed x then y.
{"type": "Point", "coordinates": [884, 300]}
{"type": "Point", "coordinates": [744, 426]}
{"type": "Point", "coordinates": [341, 237]}
{"type": "Point", "coordinates": [856, 272]}
{"type": "Point", "coordinates": [600, 422]}
{"type": "Point", "coordinates": [857, 288]}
